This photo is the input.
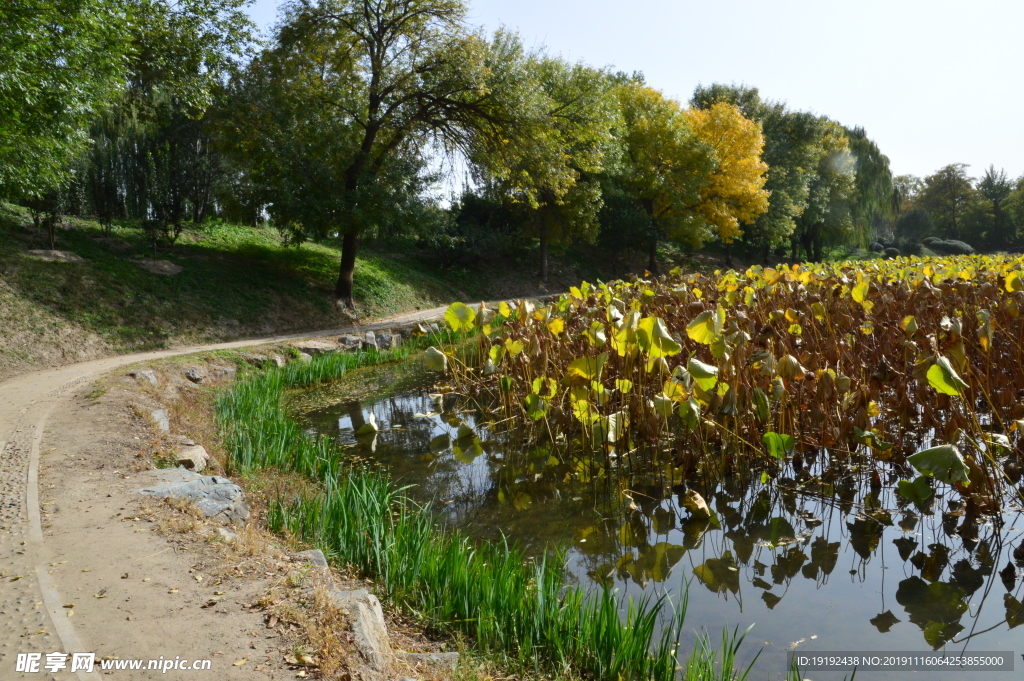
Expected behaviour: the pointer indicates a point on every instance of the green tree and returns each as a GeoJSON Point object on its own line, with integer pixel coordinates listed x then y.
{"type": "Point", "coordinates": [875, 201]}
{"type": "Point", "coordinates": [60, 61]}
{"type": "Point", "coordinates": [791, 150]}
{"type": "Point", "coordinates": [995, 187]}
{"type": "Point", "coordinates": [564, 139]}
{"type": "Point", "coordinates": [665, 166]}
{"type": "Point", "coordinates": [334, 116]}
{"type": "Point", "coordinates": [951, 200]}
{"type": "Point", "coordinates": [828, 215]}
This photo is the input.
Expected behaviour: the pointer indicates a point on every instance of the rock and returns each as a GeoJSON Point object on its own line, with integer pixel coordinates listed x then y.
{"type": "Point", "coordinates": [440, 659]}
{"type": "Point", "coordinates": [315, 557]}
{"type": "Point", "coordinates": [161, 419]}
{"type": "Point", "coordinates": [387, 340]}
{"type": "Point", "coordinates": [226, 534]}
{"type": "Point", "coordinates": [305, 357]}
{"type": "Point", "coordinates": [163, 267]}
{"type": "Point", "coordinates": [315, 348]}
{"type": "Point", "coordinates": [56, 256]}
{"type": "Point", "coordinates": [196, 375]}
{"type": "Point", "coordinates": [278, 361]}
{"type": "Point", "coordinates": [216, 497]}
{"type": "Point", "coordinates": [350, 342]}
{"type": "Point", "coordinates": [225, 373]}
{"type": "Point", "coordinates": [369, 631]}
{"type": "Point", "coordinates": [257, 360]}
{"type": "Point", "coordinates": [370, 339]}
{"type": "Point", "coordinates": [192, 456]}
{"type": "Point", "coordinates": [145, 375]}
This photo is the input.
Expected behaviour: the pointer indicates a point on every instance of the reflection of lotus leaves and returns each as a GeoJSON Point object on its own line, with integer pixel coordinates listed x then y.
{"type": "Point", "coordinates": [664, 521]}
{"type": "Point", "coordinates": [659, 559]}
{"type": "Point", "coordinates": [693, 531]}
{"type": "Point", "coordinates": [467, 454]}
{"type": "Point", "coordinates": [865, 536]}
{"type": "Point", "coordinates": [719, 574]}
{"type": "Point", "coordinates": [824, 554]}
{"type": "Point", "coordinates": [770, 599]}
{"type": "Point", "coordinates": [935, 608]}
{"type": "Point", "coordinates": [967, 577]}
{"type": "Point", "coordinates": [779, 530]}
{"type": "Point", "coordinates": [788, 565]}
{"type": "Point", "coordinates": [440, 443]}
{"type": "Point", "coordinates": [905, 546]}
{"type": "Point", "coordinates": [742, 544]}
{"type": "Point", "coordinates": [633, 532]}
{"type": "Point", "coordinates": [604, 575]}
{"type": "Point", "coordinates": [885, 621]}
{"type": "Point", "coordinates": [1014, 611]}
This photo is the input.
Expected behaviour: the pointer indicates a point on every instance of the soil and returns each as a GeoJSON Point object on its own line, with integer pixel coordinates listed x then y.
{"type": "Point", "coordinates": [90, 566]}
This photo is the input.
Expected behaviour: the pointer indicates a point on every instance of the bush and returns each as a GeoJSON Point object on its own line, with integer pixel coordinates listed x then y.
{"type": "Point", "coordinates": [951, 247]}
{"type": "Point", "coordinates": [910, 248]}
{"type": "Point", "coordinates": [892, 252]}
{"type": "Point", "coordinates": [876, 247]}
{"type": "Point", "coordinates": [928, 241]}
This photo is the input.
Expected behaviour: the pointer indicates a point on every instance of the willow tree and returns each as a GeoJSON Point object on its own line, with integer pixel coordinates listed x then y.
{"type": "Point", "coordinates": [334, 118]}
{"type": "Point", "coordinates": [828, 214]}
{"type": "Point", "coordinates": [875, 201]}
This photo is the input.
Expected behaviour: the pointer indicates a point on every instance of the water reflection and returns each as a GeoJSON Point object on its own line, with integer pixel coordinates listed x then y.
{"type": "Point", "coordinates": [818, 558]}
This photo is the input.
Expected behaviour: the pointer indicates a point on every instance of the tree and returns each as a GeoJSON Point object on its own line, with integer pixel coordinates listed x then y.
{"type": "Point", "coordinates": [875, 201]}
{"type": "Point", "coordinates": [341, 107]}
{"type": "Point", "coordinates": [665, 167]}
{"type": "Point", "coordinates": [995, 187]}
{"type": "Point", "coordinates": [951, 200]}
{"type": "Point", "coordinates": [565, 139]}
{"type": "Point", "coordinates": [60, 62]}
{"type": "Point", "coordinates": [791, 150]}
{"type": "Point", "coordinates": [828, 215]}
{"type": "Point", "coordinates": [914, 225]}
{"type": "Point", "coordinates": [735, 193]}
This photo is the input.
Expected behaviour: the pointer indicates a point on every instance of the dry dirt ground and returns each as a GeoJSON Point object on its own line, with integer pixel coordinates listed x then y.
{"type": "Point", "coordinates": [87, 565]}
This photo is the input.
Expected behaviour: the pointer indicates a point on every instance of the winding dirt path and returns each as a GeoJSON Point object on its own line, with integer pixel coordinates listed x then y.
{"type": "Point", "coordinates": [70, 531]}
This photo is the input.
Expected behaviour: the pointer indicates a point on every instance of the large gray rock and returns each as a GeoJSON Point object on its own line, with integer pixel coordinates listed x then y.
{"type": "Point", "coordinates": [216, 497]}
{"type": "Point", "coordinates": [195, 374]}
{"type": "Point", "coordinates": [161, 419]}
{"type": "Point", "coordinates": [314, 557]}
{"type": "Point", "coordinates": [387, 340]}
{"type": "Point", "coordinates": [369, 631]}
{"type": "Point", "coordinates": [370, 339]}
{"type": "Point", "coordinates": [315, 348]}
{"type": "Point", "coordinates": [147, 375]}
{"type": "Point", "coordinates": [350, 342]}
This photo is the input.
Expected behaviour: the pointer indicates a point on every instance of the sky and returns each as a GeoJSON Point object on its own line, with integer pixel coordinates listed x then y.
{"type": "Point", "coordinates": [933, 82]}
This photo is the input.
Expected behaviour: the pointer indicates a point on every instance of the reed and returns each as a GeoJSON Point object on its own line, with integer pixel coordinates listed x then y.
{"type": "Point", "coordinates": [512, 606]}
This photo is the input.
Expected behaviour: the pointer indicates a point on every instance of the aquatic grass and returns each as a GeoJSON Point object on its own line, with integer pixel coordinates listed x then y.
{"type": "Point", "coordinates": [520, 609]}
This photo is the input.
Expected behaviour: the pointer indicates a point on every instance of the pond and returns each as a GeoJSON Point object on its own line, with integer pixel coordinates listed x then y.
{"type": "Point", "coordinates": [853, 568]}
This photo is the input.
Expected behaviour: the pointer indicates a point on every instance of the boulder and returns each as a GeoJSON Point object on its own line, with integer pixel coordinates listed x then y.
{"type": "Point", "coordinates": [161, 420]}
{"type": "Point", "coordinates": [387, 340]}
{"type": "Point", "coordinates": [216, 497]}
{"type": "Point", "coordinates": [195, 374]}
{"type": "Point", "coordinates": [147, 375]}
{"type": "Point", "coordinates": [278, 360]}
{"type": "Point", "coordinates": [350, 342]}
{"type": "Point", "coordinates": [369, 631]}
{"type": "Point", "coordinates": [370, 339]}
{"type": "Point", "coordinates": [315, 557]}
{"type": "Point", "coordinates": [305, 357]}
{"type": "Point", "coordinates": [315, 348]}
{"type": "Point", "coordinates": [219, 373]}
{"type": "Point", "coordinates": [191, 455]}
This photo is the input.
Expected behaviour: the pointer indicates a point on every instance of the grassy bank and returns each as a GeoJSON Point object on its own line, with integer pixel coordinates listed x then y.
{"type": "Point", "coordinates": [236, 282]}
{"type": "Point", "coordinates": [511, 606]}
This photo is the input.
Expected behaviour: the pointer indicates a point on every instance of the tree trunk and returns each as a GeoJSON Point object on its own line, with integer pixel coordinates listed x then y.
{"type": "Point", "coordinates": [728, 254]}
{"type": "Point", "coordinates": [543, 251]}
{"type": "Point", "coordinates": [343, 289]}
{"type": "Point", "coordinates": [652, 256]}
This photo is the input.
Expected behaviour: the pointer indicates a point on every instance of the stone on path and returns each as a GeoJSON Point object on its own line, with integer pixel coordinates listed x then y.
{"type": "Point", "coordinates": [191, 455]}
{"type": "Point", "coordinates": [161, 419]}
{"type": "Point", "coordinates": [216, 497]}
{"type": "Point", "coordinates": [369, 631]}
{"type": "Point", "coordinates": [350, 342]}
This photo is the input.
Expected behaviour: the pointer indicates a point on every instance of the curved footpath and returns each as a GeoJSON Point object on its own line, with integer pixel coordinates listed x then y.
{"type": "Point", "coordinates": [66, 465]}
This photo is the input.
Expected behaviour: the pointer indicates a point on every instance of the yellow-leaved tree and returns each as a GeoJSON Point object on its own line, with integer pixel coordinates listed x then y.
{"type": "Point", "coordinates": [734, 194]}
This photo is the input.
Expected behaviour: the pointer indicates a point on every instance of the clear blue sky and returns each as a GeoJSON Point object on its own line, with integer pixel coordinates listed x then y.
{"type": "Point", "coordinates": [933, 82]}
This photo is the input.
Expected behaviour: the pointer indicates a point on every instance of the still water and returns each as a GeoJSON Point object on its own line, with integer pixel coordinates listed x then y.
{"type": "Point", "coordinates": [855, 569]}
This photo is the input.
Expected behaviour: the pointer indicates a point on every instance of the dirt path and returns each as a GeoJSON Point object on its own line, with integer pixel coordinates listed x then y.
{"type": "Point", "coordinates": [70, 527]}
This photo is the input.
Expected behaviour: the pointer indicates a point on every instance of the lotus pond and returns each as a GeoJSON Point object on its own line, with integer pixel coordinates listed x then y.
{"type": "Point", "coordinates": [845, 565]}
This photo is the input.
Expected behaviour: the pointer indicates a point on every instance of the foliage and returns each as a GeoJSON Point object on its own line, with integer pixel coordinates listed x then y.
{"type": "Point", "coordinates": [62, 60]}
{"type": "Point", "coordinates": [841, 358]}
{"type": "Point", "coordinates": [735, 192]}
{"type": "Point", "coordinates": [511, 606]}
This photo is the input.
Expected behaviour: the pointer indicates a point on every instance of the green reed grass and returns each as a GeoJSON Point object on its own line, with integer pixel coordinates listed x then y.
{"type": "Point", "coordinates": [509, 604]}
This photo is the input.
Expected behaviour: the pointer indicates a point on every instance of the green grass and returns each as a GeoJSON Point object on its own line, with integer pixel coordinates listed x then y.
{"type": "Point", "coordinates": [521, 610]}
{"type": "Point", "coordinates": [237, 282]}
